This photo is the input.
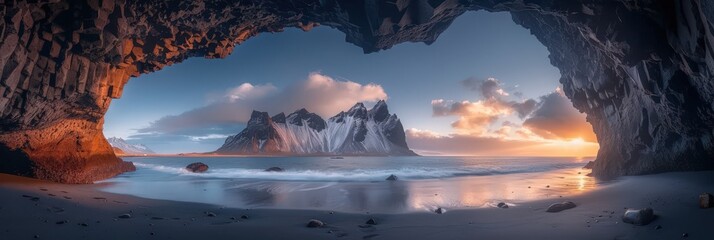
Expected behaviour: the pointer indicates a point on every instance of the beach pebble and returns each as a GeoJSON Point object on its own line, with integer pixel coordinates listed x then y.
{"type": "Point", "coordinates": [658, 227]}
{"type": "Point", "coordinates": [685, 235]}
{"type": "Point", "coordinates": [439, 210]}
{"type": "Point", "coordinates": [61, 222]}
{"type": "Point", "coordinates": [210, 214]}
{"type": "Point", "coordinates": [197, 167]}
{"type": "Point", "coordinates": [314, 223]}
{"type": "Point", "coordinates": [502, 205]}
{"type": "Point", "coordinates": [125, 216]}
{"type": "Point", "coordinates": [274, 169]}
{"type": "Point", "coordinates": [392, 178]}
{"type": "Point", "coordinates": [638, 216]}
{"type": "Point", "coordinates": [83, 225]}
{"type": "Point", "coordinates": [706, 200]}
{"type": "Point", "coordinates": [371, 221]}
{"type": "Point", "coordinates": [557, 207]}
{"type": "Point", "coordinates": [244, 217]}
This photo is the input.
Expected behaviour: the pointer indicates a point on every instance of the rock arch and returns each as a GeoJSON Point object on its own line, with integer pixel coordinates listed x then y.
{"type": "Point", "coordinates": [641, 70]}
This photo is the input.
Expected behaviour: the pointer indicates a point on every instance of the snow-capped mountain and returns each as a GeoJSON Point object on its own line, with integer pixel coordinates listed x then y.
{"type": "Point", "coordinates": [128, 148]}
{"type": "Point", "coordinates": [356, 132]}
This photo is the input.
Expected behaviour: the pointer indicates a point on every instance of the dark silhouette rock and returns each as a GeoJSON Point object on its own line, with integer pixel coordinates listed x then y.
{"type": "Point", "coordinates": [439, 211]}
{"type": "Point", "coordinates": [125, 216]}
{"type": "Point", "coordinates": [557, 207]}
{"type": "Point", "coordinates": [638, 216]}
{"type": "Point", "coordinates": [502, 205]}
{"type": "Point", "coordinates": [313, 223]}
{"type": "Point", "coordinates": [274, 169]}
{"type": "Point", "coordinates": [392, 178]}
{"type": "Point", "coordinates": [371, 221]}
{"type": "Point", "coordinates": [197, 167]}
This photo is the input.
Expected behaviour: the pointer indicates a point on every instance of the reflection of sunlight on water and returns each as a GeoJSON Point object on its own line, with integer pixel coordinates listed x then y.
{"type": "Point", "coordinates": [487, 191]}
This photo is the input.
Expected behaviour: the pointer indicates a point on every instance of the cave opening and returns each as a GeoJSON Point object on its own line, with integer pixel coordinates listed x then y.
{"type": "Point", "coordinates": [485, 81]}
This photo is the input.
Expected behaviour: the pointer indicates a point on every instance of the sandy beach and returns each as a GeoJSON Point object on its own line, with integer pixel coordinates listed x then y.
{"type": "Point", "coordinates": [36, 209]}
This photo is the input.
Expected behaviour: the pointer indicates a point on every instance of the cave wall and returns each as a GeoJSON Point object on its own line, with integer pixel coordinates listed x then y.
{"type": "Point", "coordinates": [639, 69]}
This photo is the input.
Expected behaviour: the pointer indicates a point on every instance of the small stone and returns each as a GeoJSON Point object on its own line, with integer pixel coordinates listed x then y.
{"type": "Point", "coordinates": [314, 223]}
{"type": "Point", "coordinates": [37, 236]}
{"type": "Point", "coordinates": [210, 214]}
{"type": "Point", "coordinates": [274, 169]}
{"type": "Point", "coordinates": [685, 235]}
{"type": "Point", "coordinates": [557, 207]}
{"type": "Point", "coordinates": [638, 216]}
{"type": "Point", "coordinates": [125, 216]}
{"type": "Point", "coordinates": [244, 217]}
{"type": "Point", "coordinates": [439, 211]}
{"type": "Point", "coordinates": [197, 167]}
{"type": "Point", "coordinates": [61, 222]}
{"type": "Point", "coordinates": [371, 221]}
{"type": "Point", "coordinates": [83, 225]}
{"type": "Point", "coordinates": [658, 227]}
{"type": "Point", "coordinates": [502, 205]}
{"type": "Point", "coordinates": [392, 178]}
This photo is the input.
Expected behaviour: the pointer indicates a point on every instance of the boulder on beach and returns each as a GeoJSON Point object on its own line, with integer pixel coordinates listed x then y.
{"type": "Point", "coordinates": [439, 211]}
{"type": "Point", "coordinates": [274, 169]}
{"type": "Point", "coordinates": [638, 216]}
{"type": "Point", "coordinates": [557, 207]}
{"type": "Point", "coordinates": [502, 205]}
{"type": "Point", "coordinates": [197, 167]}
{"type": "Point", "coordinates": [371, 221]}
{"type": "Point", "coordinates": [314, 223]}
{"type": "Point", "coordinates": [392, 178]}
{"type": "Point", "coordinates": [706, 200]}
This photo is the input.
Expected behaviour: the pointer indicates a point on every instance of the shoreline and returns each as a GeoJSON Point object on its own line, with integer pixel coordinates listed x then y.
{"type": "Point", "coordinates": [93, 214]}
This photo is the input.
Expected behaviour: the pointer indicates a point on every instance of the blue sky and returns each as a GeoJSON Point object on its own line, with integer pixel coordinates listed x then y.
{"type": "Point", "coordinates": [478, 45]}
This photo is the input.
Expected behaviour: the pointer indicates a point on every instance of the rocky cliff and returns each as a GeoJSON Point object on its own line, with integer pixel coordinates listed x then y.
{"type": "Point", "coordinates": [641, 70]}
{"type": "Point", "coordinates": [358, 131]}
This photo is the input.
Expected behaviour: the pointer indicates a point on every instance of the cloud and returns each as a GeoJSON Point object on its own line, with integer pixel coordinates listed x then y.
{"type": "Point", "coordinates": [474, 117]}
{"type": "Point", "coordinates": [557, 118]}
{"type": "Point", "coordinates": [552, 116]}
{"type": "Point", "coordinates": [318, 93]}
{"type": "Point", "coordinates": [429, 143]}
{"type": "Point", "coordinates": [489, 88]}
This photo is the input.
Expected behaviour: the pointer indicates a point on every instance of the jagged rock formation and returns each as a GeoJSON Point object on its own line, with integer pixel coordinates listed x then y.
{"type": "Point", "coordinates": [128, 148]}
{"type": "Point", "coordinates": [356, 132]}
{"type": "Point", "coordinates": [641, 70]}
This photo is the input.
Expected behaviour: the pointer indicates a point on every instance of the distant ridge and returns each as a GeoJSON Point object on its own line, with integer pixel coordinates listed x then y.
{"type": "Point", "coordinates": [127, 148]}
{"type": "Point", "coordinates": [356, 132]}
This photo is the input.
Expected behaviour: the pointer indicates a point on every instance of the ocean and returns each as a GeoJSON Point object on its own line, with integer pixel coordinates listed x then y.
{"type": "Point", "coordinates": [355, 184]}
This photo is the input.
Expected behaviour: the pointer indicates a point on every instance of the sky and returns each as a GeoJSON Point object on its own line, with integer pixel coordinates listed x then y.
{"type": "Point", "coordinates": [485, 87]}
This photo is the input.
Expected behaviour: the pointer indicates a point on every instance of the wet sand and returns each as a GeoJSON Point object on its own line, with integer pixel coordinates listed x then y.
{"type": "Point", "coordinates": [32, 209]}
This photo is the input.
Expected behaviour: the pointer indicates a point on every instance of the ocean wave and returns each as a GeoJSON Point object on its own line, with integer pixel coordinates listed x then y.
{"type": "Point", "coordinates": [408, 173]}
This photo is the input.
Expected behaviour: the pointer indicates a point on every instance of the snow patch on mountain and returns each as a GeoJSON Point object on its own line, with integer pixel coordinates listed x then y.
{"type": "Point", "coordinates": [129, 148]}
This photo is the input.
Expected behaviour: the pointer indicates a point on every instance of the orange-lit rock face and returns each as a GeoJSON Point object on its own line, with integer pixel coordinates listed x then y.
{"type": "Point", "coordinates": [640, 70]}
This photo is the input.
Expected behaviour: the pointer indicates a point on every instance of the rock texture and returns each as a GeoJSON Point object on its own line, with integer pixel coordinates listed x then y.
{"type": "Point", "coordinates": [641, 70]}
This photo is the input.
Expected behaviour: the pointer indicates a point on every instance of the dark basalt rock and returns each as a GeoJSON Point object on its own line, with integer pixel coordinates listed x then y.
{"type": "Point", "coordinates": [314, 223]}
{"type": "Point", "coordinates": [502, 205]}
{"type": "Point", "coordinates": [392, 178]}
{"type": "Point", "coordinates": [197, 167]}
{"type": "Point", "coordinates": [274, 169]}
{"type": "Point", "coordinates": [640, 70]}
{"type": "Point", "coordinates": [638, 216]}
{"type": "Point", "coordinates": [557, 207]}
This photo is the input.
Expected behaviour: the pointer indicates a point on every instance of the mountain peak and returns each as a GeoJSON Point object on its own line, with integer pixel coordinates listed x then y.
{"type": "Point", "coordinates": [258, 118]}
{"type": "Point", "coordinates": [380, 111]}
{"type": "Point", "coordinates": [358, 111]}
{"type": "Point", "coordinates": [279, 118]}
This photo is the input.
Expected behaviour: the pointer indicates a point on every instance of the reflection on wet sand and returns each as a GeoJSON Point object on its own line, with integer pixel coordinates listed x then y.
{"type": "Point", "coordinates": [378, 196]}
